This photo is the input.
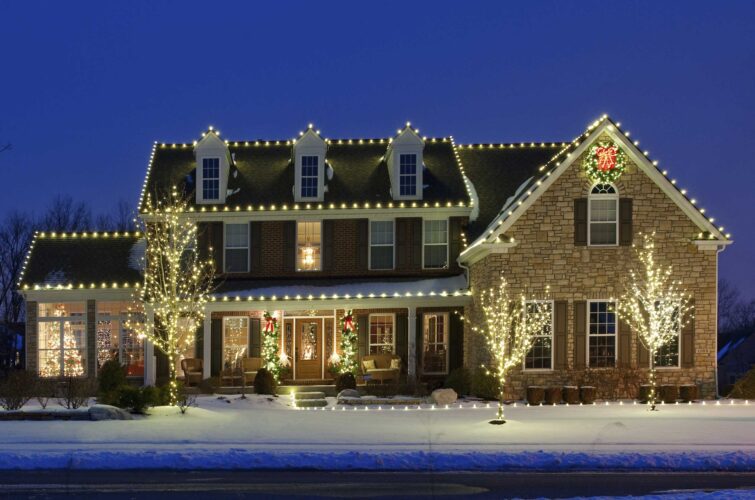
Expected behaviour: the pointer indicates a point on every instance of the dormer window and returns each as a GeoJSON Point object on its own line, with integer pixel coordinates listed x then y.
{"type": "Point", "coordinates": [309, 176]}
{"type": "Point", "coordinates": [211, 178]}
{"type": "Point", "coordinates": [408, 174]}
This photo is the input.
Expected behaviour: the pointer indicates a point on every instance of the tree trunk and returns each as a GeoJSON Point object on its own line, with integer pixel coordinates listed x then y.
{"type": "Point", "coordinates": [653, 390]}
{"type": "Point", "coordinates": [173, 384]}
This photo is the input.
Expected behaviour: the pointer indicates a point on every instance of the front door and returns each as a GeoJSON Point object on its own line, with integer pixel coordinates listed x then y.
{"type": "Point", "coordinates": [309, 348]}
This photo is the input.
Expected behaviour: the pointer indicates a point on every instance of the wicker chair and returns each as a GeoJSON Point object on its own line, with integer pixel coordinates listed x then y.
{"type": "Point", "coordinates": [383, 371]}
{"type": "Point", "coordinates": [193, 369]}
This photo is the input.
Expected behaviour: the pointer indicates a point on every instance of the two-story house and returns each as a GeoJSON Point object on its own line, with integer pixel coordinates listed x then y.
{"type": "Point", "coordinates": [401, 230]}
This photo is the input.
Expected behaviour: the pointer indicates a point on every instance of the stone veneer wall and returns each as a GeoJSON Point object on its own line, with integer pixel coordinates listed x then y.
{"type": "Point", "coordinates": [32, 342]}
{"type": "Point", "coordinates": [546, 255]}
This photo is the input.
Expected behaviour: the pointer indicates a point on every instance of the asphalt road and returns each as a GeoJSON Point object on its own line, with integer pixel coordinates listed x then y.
{"type": "Point", "coordinates": [297, 484]}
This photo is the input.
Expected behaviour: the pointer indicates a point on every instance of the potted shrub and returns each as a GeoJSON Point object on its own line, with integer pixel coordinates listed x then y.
{"type": "Point", "coordinates": [669, 393]}
{"type": "Point", "coordinates": [535, 395]}
{"type": "Point", "coordinates": [688, 393]}
{"type": "Point", "coordinates": [553, 395]}
{"type": "Point", "coordinates": [571, 394]}
{"type": "Point", "coordinates": [587, 394]}
{"type": "Point", "coordinates": [644, 396]}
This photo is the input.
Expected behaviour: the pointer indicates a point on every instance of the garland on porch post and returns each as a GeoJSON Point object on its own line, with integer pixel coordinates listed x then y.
{"type": "Point", "coordinates": [270, 345]}
{"type": "Point", "coordinates": [348, 361]}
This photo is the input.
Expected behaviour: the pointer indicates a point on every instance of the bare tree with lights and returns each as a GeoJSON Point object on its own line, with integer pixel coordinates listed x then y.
{"type": "Point", "coordinates": [655, 306]}
{"type": "Point", "coordinates": [510, 326]}
{"type": "Point", "coordinates": [177, 281]}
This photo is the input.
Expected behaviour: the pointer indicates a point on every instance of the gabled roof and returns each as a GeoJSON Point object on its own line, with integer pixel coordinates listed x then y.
{"type": "Point", "coordinates": [262, 173]}
{"type": "Point", "coordinates": [83, 260]}
{"type": "Point", "coordinates": [547, 173]}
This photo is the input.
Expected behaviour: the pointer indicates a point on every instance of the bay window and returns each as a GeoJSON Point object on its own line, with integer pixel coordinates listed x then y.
{"type": "Point", "coordinates": [117, 339]}
{"type": "Point", "coordinates": [62, 348]}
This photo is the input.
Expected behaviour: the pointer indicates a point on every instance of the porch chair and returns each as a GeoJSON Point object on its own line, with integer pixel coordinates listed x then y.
{"type": "Point", "coordinates": [193, 370]}
{"type": "Point", "coordinates": [386, 367]}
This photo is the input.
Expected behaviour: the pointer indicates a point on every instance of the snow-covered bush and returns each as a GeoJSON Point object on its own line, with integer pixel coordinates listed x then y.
{"type": "Point", "coordinates": [16, 389]}
{"type": "Point", "coordinates": [75, 392]}
{"type": "Point", "coordinates": [44, 390]}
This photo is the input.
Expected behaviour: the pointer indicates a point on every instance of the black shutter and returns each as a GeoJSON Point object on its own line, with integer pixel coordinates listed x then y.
{"type": "Point", "coordinates": [199, 342]}
{"type": "Point", "coordinates": [255, 246]}
{"type": "Point", "coordinates": [328, 240]}
{"type": "Point", "coordinates": [289, 246]}
{"type": "Point", "coordinates": [455, 341]}
{"type": "Point", "coordinates": [560, 321]}
{"type": "Point", "coordinates": [161, 367]}
{"type": "Point", "coordinates": [580, 333]}
{"type": "Point", "coordinates": [625, 222]}
{"type": "Point", "coordinates": [402, 338]}
{"type": "Point", "coordinates": [454, 240]}
{"type": "Point", "coordinates": [688, 338]}
{"type": "Point", "coordinates": [416, 243]}
{"type": "Point", "coordinates": [643, 355]}
{"type": "Point", "coordinates": [580, 222]}
{"type": "Point", "coordinates": [216, 343]}
{"type": "Point", "coordinates": [363, 328]}
{"type": "Point", "coordinates": [402, 244]}
{"type": "Point", "coordinates": [363, 239]}
{"type": "Point", "coordinates": [217, 245]}
{"type": "Point", "coordinates": [255, 339]}
{"type": "Point", "coordinates": [625, 342]}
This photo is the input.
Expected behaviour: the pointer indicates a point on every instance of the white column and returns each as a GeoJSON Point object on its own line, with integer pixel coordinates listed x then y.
{"type": "Point", "coordinates": [411, 366]}
{"type": "Point", "coordinates": [207, 346]}
{"type": "Point", "coordinates": [150, 371]}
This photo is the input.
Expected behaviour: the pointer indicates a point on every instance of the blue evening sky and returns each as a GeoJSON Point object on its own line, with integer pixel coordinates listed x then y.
{"type": "Point", "coordinates": [85, 88]}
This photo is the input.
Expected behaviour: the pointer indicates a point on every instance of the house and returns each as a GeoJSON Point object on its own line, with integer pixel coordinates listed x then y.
{"type": "Point", "coordinates": [401, 230]}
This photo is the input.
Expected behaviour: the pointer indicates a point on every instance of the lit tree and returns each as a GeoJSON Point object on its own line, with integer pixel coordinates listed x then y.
{"type": "Point", "coordinates": [73, 363]}
{"type": "Point", "coordinates": [510, 326]}
{"type": "Point", "coordinates": [177, 281]}
{"type": "Point", "coordinates": [347, 360]}
{"type": "Point", "coordinates": [655, 306]}
{"type": "Point", "coordinates": [270, 346]}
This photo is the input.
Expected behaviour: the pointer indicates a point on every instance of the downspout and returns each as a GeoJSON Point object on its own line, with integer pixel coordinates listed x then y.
{"type": "Point", "coordinates": [719, 249]}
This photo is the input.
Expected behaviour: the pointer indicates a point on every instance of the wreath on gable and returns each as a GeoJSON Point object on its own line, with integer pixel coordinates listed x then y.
{"type": "Point", "coordinates": [605, 162]}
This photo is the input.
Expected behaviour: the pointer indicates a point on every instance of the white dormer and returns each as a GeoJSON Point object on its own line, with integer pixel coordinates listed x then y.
{"type": "Point", "coordinates": [213, 166]}
{"type": "Point", "coordinates": [309, 159]}
{"type": "Point", "coordinates": [405, 163]}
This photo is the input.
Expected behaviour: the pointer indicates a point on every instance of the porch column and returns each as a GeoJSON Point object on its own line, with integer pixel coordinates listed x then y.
{"type": "Point", "coordinates": [411, 365]}
{"type": "Point", "coordinates": [207, 347]}
{"type": "Point", "coordinates": [150, 374]}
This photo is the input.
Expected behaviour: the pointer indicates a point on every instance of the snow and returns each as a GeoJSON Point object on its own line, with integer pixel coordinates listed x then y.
{"type": "Point", "coordinates": [436, 286]}
{"type": "Point", "coordinates": [474, 198]}
{"type": "Point", "coordinates": [136, 255]}
{"type": "Point", "coordinates": [264, 432]}
{"type": "Point", "coordinates": [56, 277]}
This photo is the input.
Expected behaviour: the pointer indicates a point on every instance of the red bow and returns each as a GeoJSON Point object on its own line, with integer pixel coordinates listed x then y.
{"type": "Point", "coordinates": [348, 323]}
{"type": "Point", "coordinates": [269, 324]}
{"type": "Point", "coordinates": [606, 157]}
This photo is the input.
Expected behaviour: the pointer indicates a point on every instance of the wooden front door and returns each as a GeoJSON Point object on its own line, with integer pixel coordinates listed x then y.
{"type": "Point", "coordinates": [309, 348]}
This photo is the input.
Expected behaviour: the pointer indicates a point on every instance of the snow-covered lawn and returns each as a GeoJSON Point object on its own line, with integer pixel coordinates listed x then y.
{"type": "Point", "coordinates": [264, 433]}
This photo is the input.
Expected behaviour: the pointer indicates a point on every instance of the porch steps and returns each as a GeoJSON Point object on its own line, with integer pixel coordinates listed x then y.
{"type": "Point", "coordinates": [327, 390]}
{"type": "Point", "coordinates": [310, 399]}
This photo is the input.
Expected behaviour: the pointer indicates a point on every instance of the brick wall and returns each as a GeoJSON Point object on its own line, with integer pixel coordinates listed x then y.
{"type": "Point", "coordinates": [546, 255]}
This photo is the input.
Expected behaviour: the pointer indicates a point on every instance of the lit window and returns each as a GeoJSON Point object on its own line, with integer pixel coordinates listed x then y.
{"type": "Point", "coordinates": [407, 177]}
{"type": "Point", "coordinates": [236, 248]}
{"type": "Point", "coordinates": [668, 354]}
{"type": "Point", "coordinates": [211, 178]}
{"type": "Point", "coordinates": [116, 337]}
{"type": "Point", "coordinates": [62, 347]}
{"type": "Point", "coordinates": [604, 215]}
{"type": "Point", "coordinates": [540, 356]}
{"type": "Point", "coordinates": [435, 343]}
{"type": "Point", "coordinates": [436, 244]}
{"type": "Point", "coordinates": [235, 341]}
{"type": "Point", "coordinates": [381, 334]}
{"type": "Point", "coordinates": [308, 235]}
{"type": "Point", "coordinates": [602, 334]}
{"type": "Point", "coordinates": [309, 176]}
{"type": "Point", "coordinates": [381, 244]}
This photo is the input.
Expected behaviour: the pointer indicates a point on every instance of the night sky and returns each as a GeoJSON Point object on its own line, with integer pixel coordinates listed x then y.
{"type": "Point", "coordinates": [86, 88]}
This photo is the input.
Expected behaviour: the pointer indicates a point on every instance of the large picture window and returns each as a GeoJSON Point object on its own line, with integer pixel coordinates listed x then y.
{"type": "Point", "coordinates": [309, 176]}
{"type": "Point", "coordinates": [116, 338]}
{"type": "Point", "coordinates": [236, 248]}
{"type": "Point", "coordinates": [435, 343]}
{"type": "Point", "coordinates": [603, 227]}
{"type": "Point", "coordinates": [382, 338]}
{"type": "Point", "coordinates": [436, 244]}
{"type": "Point", "coordinates": [381, 244]}
{"type": "Point", "coordinates": [601, 329]}
{"type": "Point", "coordinates": [308, 237]}
{"type": "Point", "coordinates": [407, 178]}
{"type": "Point", "coordinates": [235, 341]}
{"type": "Point", "coordinates": [540, 356]}
{"type": "Point", "coordinates": [211, 178]}
{"type": "Point", "coordinates": [62, 339]}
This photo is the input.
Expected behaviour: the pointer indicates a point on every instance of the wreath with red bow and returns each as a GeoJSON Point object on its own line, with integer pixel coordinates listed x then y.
{"type": "Point", "coordinates": [605, 162]}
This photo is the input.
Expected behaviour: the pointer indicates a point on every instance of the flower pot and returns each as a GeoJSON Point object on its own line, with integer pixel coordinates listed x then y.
{"type": "Point", "coordinates": [669, 393]}
{"type": "Point", "coordinates": [571, 394]}
{"type": "Point", "coordinates": [553, 395]}
{"type": "Point", "coordinates": [587, 394]}
{"type": "Point", "coordinates": [688, 393]}
{"type": "Point", "coordinates": [535, 395]}
{"type": "Point", "coordinates": [644, 395]}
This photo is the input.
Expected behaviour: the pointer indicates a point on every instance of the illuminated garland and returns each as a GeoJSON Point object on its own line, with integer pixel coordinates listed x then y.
{"type": "Point", "coordinates": [270, 342]}
{"type": "Point", "coordinates": [605, 162]}
{"type": "Point", "coordinates": [348, 359]}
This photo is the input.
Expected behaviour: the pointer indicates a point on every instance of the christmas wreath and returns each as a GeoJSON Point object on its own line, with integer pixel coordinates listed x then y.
{"type": "Point", "coordinates": [605, 162]}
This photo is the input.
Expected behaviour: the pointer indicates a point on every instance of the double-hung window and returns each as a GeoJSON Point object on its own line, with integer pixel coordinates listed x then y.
{"type": "Point", "coordinates": [382, 338]}
{"type": "Point", "coordinates": [601, 333]}
{"type": "Point", "coordinates": [211, 178]}
{"type": "Point", "coordinates": [435, 244]}
{"type": "Point", "coordinates": [435, 343]}
{"type": "Point", "coordinates": [603, 226]}
{"type": "Point", "coordinates": [237, 248]}
{"type": "Point", "coordinates": [667, 355]}
{"type": "Point", "coordinates": [309, 176]}
{"type": "Point", "coordinates": [540, 356]}
{"type": "Point", "coordinates": [407, 177]}
{"type": "Point", "coordinates": [381, 244]}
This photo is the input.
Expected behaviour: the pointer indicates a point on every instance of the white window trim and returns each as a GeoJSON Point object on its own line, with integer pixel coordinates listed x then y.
{"type": "Point", "coordinates": [446, 336]}
{"type": "Point", "coordinates": [225, 247]}
{"type": "Point", "coordinates": [615, 334]}
{"type": "Point", "coordinates": [590, 198]}
{"type": "Point", "coordinates": [203, 179]}
{"type": "Point", "coordinates": [296, 266]}
{"type": "Point", "coordinates": [319, 176]}
{"type": "Point", "coordinates": [369, 245]}
{"type": "Point", "coordinates": [552, 336]}
{"type": "Point", "coordinates": [424, 223]}
{"type": "Point", "coordinates": [369, 332]}
{"type": "Point", "coordinates": [222, 338]}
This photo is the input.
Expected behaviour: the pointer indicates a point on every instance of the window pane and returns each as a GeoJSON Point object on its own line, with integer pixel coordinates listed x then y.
{"type": "Point", "coordinates": [236, 235]}
{"type": "Point", "coordinates": [408, 174]}
{"type": "Point", "coordinates": [211, 178]}
{"type": "Point", "coordinates": [602, 233]}
{"type": "Point", "coordinates": [108, 345]}
{"type": "Point", "coordinates": [61, 309]}
{"type": "Point", "coordinates": [539, 357]}
{"type": "Point", "coordinates": [602, 334]}
{"type": "Point", "coordinates": [435, 256]}
{"type": "Point", "coordinates": [309, 176]}
{"type": "Point", "coordinates": [381, 334]}
{"type": "Point", "coordinates": [381, 232]}
{"type": "Point", "coordinates": [436, 231]}
{"type": "Point", "coordinates": [603, 210]}
{"type": "Point", "coordinates": [308, 246]}
{"type": "Point", "coordinates": [236, 260]}
{"type": "Point", "coordinates": [235, 341]}
{"type": "Point", "coordinates": [381, 257]}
